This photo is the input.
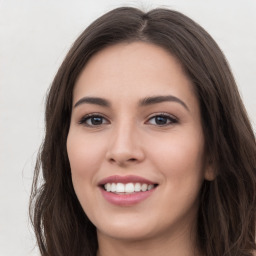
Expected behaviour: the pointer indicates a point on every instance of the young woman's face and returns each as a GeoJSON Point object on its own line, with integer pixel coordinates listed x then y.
{"type": "Point", "coordinates": [135, 144]}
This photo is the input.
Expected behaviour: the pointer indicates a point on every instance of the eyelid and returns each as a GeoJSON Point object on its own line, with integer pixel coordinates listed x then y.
{"type": "Point", "coordinates": [173, 118]}
{"type": "Point", "coordinates": [84, 118]}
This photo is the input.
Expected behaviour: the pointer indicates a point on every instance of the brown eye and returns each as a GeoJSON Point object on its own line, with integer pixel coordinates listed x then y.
{"type": "Point", "coordinates": [162, 120]}
{"type": "Point", "coordinates": [93, 120]}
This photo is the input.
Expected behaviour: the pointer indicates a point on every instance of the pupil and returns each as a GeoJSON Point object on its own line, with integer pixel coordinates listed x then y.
{"type": "Point", "coordinates": [96, 120]}
{"type": "Point", "coordinates": [161, 120]}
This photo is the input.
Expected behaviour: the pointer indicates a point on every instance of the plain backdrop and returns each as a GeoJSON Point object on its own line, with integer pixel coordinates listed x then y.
{"type": "Point", "coordinates": [35, 35]}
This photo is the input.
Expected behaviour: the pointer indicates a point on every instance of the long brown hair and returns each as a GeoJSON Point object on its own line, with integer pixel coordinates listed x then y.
{"type": "Point", "coordinates": [226, 217]}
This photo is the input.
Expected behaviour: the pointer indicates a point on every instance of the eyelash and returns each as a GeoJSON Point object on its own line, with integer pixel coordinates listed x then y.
{"type": "Point", "coordinates": [85, 118]}
{"type": "Point", "coordinates": [171, 120]}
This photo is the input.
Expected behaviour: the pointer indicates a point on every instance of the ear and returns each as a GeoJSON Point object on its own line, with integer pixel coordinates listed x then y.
{"type": "Point", "coordinates": [209, 173]}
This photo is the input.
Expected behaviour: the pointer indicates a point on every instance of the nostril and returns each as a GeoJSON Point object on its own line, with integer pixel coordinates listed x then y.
{"type": "Point", "coordinates": [118, 161]}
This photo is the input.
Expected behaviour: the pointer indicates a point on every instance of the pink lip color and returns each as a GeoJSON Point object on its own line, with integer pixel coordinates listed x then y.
{"type": "Point", "coordinates": [125, 199]}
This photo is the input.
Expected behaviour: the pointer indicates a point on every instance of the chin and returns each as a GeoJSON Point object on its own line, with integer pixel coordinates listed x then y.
{"type": "Point", "coordinates": [127, 234]}
{"type": "Point", "coordinates": [133, 230]}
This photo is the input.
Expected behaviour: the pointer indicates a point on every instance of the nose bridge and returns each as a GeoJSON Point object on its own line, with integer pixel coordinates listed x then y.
{"type": "Point", "coordinates": [124, 146]}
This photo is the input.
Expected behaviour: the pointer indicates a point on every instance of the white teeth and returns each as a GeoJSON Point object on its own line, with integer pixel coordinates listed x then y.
{"type": "Point", "coordinates": [150, 186]}
{"type": "Point", "coordinates": [113, 187]}
{"type": "Point", "coordinates": [119, 187]}
{"type": "Point", "coordinates": [108, 187]}
{"type": "Point", "coordinates": [137, 187]}
{"type": "Point", "coordinates": [144, 187]}
{"type": "Point", "coordinates": [127, 188]}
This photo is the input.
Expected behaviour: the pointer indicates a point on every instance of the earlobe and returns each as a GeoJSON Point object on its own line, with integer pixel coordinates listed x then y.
{"type": "Point", "coordinates": [209, 174]}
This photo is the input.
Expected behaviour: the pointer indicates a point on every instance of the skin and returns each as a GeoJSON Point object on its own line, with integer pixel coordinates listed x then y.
{"type": "Point", "coordinates": [128, 140]}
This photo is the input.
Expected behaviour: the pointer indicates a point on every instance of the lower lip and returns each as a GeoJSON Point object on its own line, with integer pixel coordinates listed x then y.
{"type": "Point", "coordinates": [126, 199]}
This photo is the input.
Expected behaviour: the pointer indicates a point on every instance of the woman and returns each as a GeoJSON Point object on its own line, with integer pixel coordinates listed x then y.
{"type": "Point", "coordinates": [148, 148]}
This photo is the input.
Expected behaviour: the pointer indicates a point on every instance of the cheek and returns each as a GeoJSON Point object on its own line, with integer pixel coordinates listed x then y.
{"type": "Point", "coordinates": [180, 158]}
{"type": "Point", "coordinates": [85, 157]}
{"type": "Point", "coordinates": [84, 154]}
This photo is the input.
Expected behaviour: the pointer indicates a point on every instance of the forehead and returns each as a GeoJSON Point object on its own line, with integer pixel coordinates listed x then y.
{"type": "Point", "coordinates": [133, 69]}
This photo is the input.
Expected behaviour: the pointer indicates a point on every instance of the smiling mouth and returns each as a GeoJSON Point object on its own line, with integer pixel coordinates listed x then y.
{"type": "Point", "coordinates": [128, 188]}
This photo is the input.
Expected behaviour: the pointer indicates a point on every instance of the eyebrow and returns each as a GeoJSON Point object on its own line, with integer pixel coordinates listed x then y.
{"type": "Point", "coordinates": [144, 102]}
{"type": "Point", "coordinates": [93, 100]}
{"type": "Point", "coordinates": [159, 99]}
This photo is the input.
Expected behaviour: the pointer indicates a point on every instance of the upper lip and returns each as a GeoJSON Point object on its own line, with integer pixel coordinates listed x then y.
{"type": "Point", "coordinates": [125, 179]}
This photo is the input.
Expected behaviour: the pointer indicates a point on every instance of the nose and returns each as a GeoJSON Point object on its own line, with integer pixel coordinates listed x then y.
{"type": "Point", "coordinates": [125, 146]}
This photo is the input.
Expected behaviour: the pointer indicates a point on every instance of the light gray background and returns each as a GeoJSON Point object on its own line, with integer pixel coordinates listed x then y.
{"type": "Point", "coordinates": [35, 35]}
